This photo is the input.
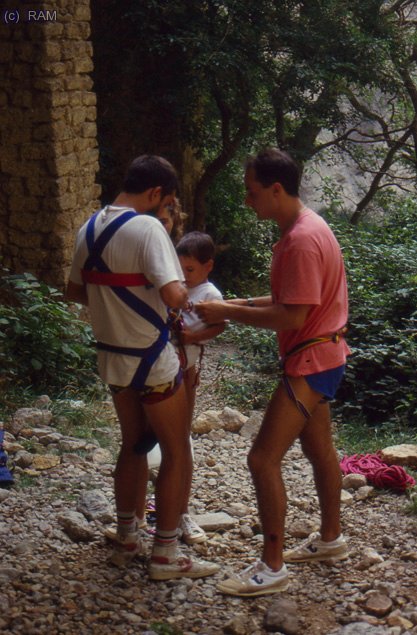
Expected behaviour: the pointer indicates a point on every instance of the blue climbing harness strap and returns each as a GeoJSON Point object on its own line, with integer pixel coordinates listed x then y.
{"type": "Point", "coordinates": [94, 260]}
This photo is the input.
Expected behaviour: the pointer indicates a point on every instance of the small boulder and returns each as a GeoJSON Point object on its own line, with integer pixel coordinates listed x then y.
{"type": "Point", "coordinates": [94, 505]}
{"type": "Point", "coordinates": [370, 557]}
{"type": "Point", "coordinates": [283, 616]}
{"type": "Point", "coordinates": [232, 420]}
{"type": "Point", "coordinates": [346, 498]}
{"type": "Point", "coordinates": [76, 526]}
{"type": "Point", "coordinates": [236, 626]}
{"type": "Point", "coordinates": [23, 459]}
{"type": "Point", "coordinates": [354, 481]}
{"type": "Point", "coordinates": [215, 521]}
{"type": "Point", "coordinates": [365, 492]}
{"type": "Point", "coordinates": [403, 454]}
{"type": "Point", "coordinates": [206, 422]}
{"type": "Point", "coordinates": [28, 418]}
{"type": "Point", "coordinates": [378, 604]}
{"type": "Point", "coordinates": [45, 461]}
{"type": "Point", "coordinates": [251, 426]}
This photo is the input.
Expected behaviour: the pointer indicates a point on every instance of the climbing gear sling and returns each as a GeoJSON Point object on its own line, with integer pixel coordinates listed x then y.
{"type": "Point", "coordinates": [301, 346]}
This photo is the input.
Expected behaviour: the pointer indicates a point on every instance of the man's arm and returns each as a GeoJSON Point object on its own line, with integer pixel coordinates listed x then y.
{"type": "Point", "coordinates": [174, 295]}
{"type": "Point", "coordinates": [265, 300]}
{"type": "Point", "coordinates": [278, 317]}
{"type": "Point", "coordinates": [76, 293]}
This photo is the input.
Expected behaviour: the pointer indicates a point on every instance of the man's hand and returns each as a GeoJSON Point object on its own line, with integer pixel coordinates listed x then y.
{"type": "Point", "coordinates": [212, 312]}
{"type": "Point", "coordinates": [186, 337]}
{"type": "Point", "coordinates": [174, 295]}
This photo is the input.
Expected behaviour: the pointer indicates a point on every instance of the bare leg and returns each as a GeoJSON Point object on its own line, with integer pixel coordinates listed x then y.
{"type": "Point", "coordinates": [142, 490]}
{"type": "Point", "coordinates": [282, 424]}
{"type": "Point", "coordinates": [317, 443]}
{"type": "Point", "coordinates": [169, 421]}
{"type": "Point", "coordinates": [131, 472]}
{"type": "Point", "coordinates": [190, 390]}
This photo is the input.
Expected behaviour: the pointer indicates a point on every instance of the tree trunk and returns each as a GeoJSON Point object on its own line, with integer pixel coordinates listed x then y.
{"type": "Point", "coordinates": [374, 187]}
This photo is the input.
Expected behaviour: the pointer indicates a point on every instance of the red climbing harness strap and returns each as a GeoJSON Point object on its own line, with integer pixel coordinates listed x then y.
{"type": "Point", "coordinates": [114, 279]}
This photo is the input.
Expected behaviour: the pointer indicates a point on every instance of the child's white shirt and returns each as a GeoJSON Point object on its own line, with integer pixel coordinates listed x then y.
{"type": "Point", "coordinates": [201, 293]}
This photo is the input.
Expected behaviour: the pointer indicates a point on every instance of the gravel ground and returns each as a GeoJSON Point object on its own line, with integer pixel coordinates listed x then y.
{"type": "Point", "coordinates": [51, 584]}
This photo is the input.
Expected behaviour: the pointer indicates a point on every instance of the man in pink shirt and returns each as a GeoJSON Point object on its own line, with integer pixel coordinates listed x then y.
{"type": "Point", "coordinates": [308, 309]}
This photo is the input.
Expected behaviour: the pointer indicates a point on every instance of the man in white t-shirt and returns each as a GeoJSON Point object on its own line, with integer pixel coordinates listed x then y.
{"type": "Point", "coordinates": [126, 270]}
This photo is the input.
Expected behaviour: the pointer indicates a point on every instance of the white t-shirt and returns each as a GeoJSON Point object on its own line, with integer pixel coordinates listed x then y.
{"type": "Point", "coordinates": [141, 245]}
{"type": "Point", "coordinates": [201, 293]}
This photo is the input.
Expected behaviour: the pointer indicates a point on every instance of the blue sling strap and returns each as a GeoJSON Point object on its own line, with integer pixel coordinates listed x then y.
{"type": "Point", "coordinates": [150, 354]}
{"type": "Point", "coordinates": [6, 477]}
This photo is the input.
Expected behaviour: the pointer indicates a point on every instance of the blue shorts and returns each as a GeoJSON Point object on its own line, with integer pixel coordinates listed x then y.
{"type": "Point", "coordinates": [327, 382]}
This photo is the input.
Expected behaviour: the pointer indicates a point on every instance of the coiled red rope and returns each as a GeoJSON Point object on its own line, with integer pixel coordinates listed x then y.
{"type": "Point", "coordinates": [377, 472]}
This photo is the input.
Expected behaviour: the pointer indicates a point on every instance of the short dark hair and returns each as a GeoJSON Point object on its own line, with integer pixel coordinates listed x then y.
{"type": "Point", "coordinates": [197, 245]}
{"type": "Point", "coordinates": [276, 166]}
{"type": "Point", "coordinates": [148, 171]}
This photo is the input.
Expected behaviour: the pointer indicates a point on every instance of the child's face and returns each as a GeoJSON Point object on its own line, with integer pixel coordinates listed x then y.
{"type": "Point", "coordinates": [195, 273]}
{"type": "Point", "coordinates": [164, 216]}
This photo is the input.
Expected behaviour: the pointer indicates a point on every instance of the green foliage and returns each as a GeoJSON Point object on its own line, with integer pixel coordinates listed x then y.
{"type": "Point", "coordinates": [381, 382]}
{"type": "Point", "coordinates": [24, 481]}
{"type": "Point", "coordinates": [218, 76]}
{"type": "Point", "coordinates": [411, 507]}
{"type": "Point", "coordinates": [248, 379]}
{"type": "Point", "coordinates": [43, 344]}
{"type": "Point", "coordinates": [85, 419]}
{"type": "Point", "coordinates": [354, 436]}
{"type": "Point", "coordinates": [243, 242]}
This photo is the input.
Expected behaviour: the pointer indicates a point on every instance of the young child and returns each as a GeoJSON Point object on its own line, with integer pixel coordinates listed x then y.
{"type": "Point", "coordinates": [196, 255]}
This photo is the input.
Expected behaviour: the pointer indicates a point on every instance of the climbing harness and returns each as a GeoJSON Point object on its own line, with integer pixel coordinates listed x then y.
{"type": "Point", "coordinates": [96, 271]}
{"type": "Point", "coordinates": [291, 394]}
{"type": "Point", "coordinates": [301, 346]}
{"type": "Point", "coordinates": [176, 325]}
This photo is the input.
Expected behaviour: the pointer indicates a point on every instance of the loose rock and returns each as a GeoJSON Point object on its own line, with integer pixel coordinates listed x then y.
{"type": "Point", "coordinates": [403, 454]}
{"type": "Point", "coordinates": [378, 604]}
{"type": "Point", "coordinates": [282, 616]}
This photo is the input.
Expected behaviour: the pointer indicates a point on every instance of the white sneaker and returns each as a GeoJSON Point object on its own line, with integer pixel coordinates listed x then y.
{"type": "Point", "coordinates": [189, 531]}
{"type": "Point", "coordinates": [257, 579]}
{"type": "Point", "coordinates": [161, 568]}
{"type": "Point", "coordinates": [315, 549]}
{"type": "Point", "coordinates": [126, 548]}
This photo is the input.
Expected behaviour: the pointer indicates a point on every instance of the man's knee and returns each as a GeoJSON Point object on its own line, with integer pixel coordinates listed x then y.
{"type": "Point", "coordinates": [260, 461]}
{"type": "Point", "coordinates": [128, 457]}
{"type": "Point", "coordinates": [319, 451]}
{"type": "Point", "coordinates": [176, 453]}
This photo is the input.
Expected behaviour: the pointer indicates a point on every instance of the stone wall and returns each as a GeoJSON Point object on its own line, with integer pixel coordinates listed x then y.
{"type": "Point", "coordinates": [48, 145]}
